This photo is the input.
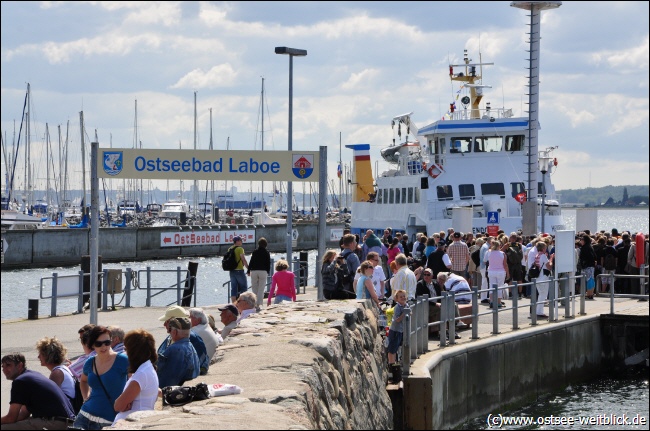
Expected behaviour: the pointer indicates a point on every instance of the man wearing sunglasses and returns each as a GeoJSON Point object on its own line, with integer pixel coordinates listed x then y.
{"type": "Point", "coordinates": [36, 402]}
{"type": "Point", "coordinates": [179, 362]}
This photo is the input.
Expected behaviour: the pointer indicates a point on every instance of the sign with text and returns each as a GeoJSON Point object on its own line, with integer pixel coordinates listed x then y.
{"type": "Point", "coordinates": [493, 229]}
{"type": "Point", "coordinates": [204, 237]}
{"type": "Point", "coordinates": [234, 165]}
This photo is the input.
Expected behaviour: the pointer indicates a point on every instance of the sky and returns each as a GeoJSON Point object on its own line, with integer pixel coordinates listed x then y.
{"type": "Point", "coordinates": [367, 62]}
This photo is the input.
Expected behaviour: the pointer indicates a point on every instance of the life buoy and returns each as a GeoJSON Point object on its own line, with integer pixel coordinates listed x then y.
{"type": "Point", "coordinates": [431, 173]}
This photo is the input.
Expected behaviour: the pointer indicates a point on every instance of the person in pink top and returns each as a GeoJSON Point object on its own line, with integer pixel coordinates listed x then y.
{"type": "Point", "coordinates": [392, 252]}
{"type": "Point", "coordinates": [282, 284]}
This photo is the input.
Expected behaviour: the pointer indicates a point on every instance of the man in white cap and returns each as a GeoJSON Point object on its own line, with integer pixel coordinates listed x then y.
{"type": "Point", "coordinates": [195, 339]}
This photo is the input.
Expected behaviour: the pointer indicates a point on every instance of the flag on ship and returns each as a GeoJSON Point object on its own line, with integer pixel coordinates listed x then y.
{"type": "Point", "coordinates": [339, 172]}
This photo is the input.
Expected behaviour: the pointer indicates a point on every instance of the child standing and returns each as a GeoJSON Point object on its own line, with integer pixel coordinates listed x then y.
{"type": "Point", "coordinates": [396, 332]}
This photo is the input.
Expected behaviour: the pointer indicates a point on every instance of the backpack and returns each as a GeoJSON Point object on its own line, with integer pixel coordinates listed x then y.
{"type": "Point", "coordinates": [78, 399]}
{"type": "Point", "coordinates": [344, 277]}
{"type": "Point", "coordinates": [476, 256]}
{"type": "Point", "coordinates": [534, 270]}
{"type": "Point", "coordinates": [610, 261]}
{"type": "Point", "coordinates": [230, 262]}
{"type": "Point", "coordinates": [515, 255]}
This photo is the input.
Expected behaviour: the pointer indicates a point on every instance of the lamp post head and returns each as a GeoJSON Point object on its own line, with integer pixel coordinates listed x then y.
{"type": "Point", "coordinates": [290, 51]}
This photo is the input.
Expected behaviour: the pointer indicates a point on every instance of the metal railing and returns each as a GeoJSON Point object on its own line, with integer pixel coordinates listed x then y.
{"type": "Point", "coordinates": [59, 287]}
{"type": "Point", "coordinates": [561, 293]}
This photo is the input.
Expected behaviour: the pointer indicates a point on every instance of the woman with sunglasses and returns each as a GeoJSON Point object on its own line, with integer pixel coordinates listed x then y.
{"type": "Point", "coordinates": [102, 381]}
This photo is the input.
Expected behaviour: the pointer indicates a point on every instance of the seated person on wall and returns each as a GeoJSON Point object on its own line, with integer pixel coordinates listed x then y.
{"type": "Point", "coordinates": [195, 339]}
{"type": "Point", "coordinates": [246, 305]}
{"type": "Point", "coordinates": [117, 338]}
{"type": "Point", "coordinates": [77, 366]}
{"type": "Point", "coordinates": [455, 283]}
{"type": "Point", "coordinates": [35, 402]}
{"type": "Point", "coordinates": [229, 315]}
{"type": "Point", "coordinates": [201, 327]}
{"type": "Point", "coordinates": [179, 362]}
{"type": "Point", "coordinates": [427, 286]}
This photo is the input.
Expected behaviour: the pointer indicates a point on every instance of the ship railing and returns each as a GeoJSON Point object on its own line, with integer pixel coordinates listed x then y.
{"type": "Point", "coordinates": [300, 269]}
{"type": "Point", "coordinates": [109, 284]}
{"type": "Point", "coordinates": [466, 114]}
{"type": "Point", "coordinates": [562, 300]}
{"type": "Point", "coordinates": [638, 283]}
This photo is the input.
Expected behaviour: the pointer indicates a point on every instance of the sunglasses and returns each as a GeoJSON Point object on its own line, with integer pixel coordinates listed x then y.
{"type": "Point", "coordinates": [102, 343]}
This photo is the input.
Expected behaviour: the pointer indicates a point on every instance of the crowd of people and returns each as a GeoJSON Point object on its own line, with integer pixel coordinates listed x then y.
{"type": "Point", "coordinates": [120, 373]}
{"type": "Point", "coordinates": [455, 262]}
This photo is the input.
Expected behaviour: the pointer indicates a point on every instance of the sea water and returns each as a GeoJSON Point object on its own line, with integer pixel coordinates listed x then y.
{"type": "Point", "coordinates": [604, 403]}
{"type": "Point", "coordinates": [18, 286]}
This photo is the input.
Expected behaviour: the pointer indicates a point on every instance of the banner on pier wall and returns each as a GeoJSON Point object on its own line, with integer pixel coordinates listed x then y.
{"type": "Point", "coordinates": [190, 238]}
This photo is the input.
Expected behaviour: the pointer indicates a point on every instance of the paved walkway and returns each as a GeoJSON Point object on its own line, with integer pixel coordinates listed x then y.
{"type": "Point", "coordinates": [600, 305]}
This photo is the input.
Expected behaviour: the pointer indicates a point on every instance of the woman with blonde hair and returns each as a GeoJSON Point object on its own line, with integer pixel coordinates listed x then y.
{"type": "Point", "coordinates": [52, 354]}
{"type": "Point", "coordinates": [283, 285]}
{"type": "Point", "coordinates": [365, 288]}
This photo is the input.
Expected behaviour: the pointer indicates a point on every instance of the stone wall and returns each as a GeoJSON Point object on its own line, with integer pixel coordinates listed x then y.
{"type": "Point", "coordinates": [305, 365]}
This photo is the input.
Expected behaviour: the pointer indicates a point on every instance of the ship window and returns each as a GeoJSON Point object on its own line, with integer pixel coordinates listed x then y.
{"type": "Point", "coordinates": [385, 196]}
{"type": "Point", "coordinates": [540, 189]}
{"type": "Point", "coordinates": [391, 196]}
{"type": "Point", "coordinates": [517, 188]}
{"type": "Point", "coordinates": [416, 195]}
{"type": "Point", "coordinates": [460, 145]}
{"type": "Point", "coordinates": [403, 195]}
{"type": "Point", "coordinates": [515, 143]}
{"type": "Point", "coordinates": [410, 195]}
{"type": "Point", "coordinates": [445, 193]}
{"type": "Point", "coordinates": [466, 191]}
{"type": "Point", "coordinates": [380, 195]}
{"type": "Point", "coordinates": [487, 144]}
{"type": "Point", "coordinates": [397, 196]}
{"type": "Point", "coordinates": [493, 189]}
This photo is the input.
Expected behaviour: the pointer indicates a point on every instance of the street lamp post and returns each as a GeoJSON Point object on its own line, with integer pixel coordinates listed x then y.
{"type": "Point", "coordinates": [291, 52]}
{"type": "Point", "coordinates": [543, 162]}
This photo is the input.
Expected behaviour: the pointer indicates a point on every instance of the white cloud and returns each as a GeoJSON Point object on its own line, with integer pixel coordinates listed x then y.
{"type": "Point", "coordinates": [578, 169]}
{"type": "Point", "coordinates": [363, 78]}
{"type": "Point", "coordinates": [218, 76]}
{"type": "Point", "coordinates": [628, 60]}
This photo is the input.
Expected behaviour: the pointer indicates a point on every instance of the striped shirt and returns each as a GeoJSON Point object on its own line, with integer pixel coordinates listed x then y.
{"type": "Point", "coordinates": [459, 254]}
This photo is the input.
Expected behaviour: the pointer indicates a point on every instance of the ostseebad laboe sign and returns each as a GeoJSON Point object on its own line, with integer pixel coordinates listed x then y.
{"type": "Point", "coordinates": [235, 165]}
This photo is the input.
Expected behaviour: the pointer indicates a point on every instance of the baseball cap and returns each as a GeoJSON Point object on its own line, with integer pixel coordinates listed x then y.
{"type": "Point", "coordinates": [231, 308]}
{"type": "Point", "coordinates": [180, 323]}
{"type": "Point", "coordinates": [457, 235]}
{"type": "Point", "coordinates": [442, 244]}
{"type": "Point", "coordinates": [173, 311]}
{"type": "Point", "coordinates": [237, 238]}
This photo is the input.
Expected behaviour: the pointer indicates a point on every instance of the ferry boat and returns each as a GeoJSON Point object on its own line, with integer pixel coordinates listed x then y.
{"type": "Point", "coordinates": [472, 164]}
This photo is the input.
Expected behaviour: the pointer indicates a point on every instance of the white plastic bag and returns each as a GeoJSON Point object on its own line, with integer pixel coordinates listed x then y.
{"type": "Point", "coordinates": [221, 389]}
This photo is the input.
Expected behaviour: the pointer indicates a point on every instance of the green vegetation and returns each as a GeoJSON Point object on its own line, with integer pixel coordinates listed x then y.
{"type": "Point", "coordinates": [609, 196]}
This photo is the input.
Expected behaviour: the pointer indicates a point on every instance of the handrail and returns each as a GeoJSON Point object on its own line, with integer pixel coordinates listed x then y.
{"type": "Point", "coordinates": [561, 293]}
{"type": "Point", "coordinates": [72, 286]}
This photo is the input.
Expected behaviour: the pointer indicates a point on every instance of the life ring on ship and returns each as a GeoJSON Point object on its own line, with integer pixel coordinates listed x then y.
{"type": "Point", "coordinates": [431, 172]}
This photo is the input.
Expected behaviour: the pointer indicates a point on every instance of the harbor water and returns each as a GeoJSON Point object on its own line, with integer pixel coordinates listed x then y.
{"type": "Point", "coordinates": [605, 403]}
{"type": "Point", "coordinates": [18, 286]}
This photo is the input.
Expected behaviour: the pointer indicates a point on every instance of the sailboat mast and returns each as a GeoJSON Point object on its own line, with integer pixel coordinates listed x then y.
{"type": "Point", "coordinates": [262, 136]}
{"type": "Point", "coordinates": [339, 172]}
{"type": "Point", "coordinates": [27, 184]}
{"type": "Point", "coordinates": [195, 198]}
{"type": "Point", "coordinates": [47, 168]}
{"type": "Point", "coordinates": [211, 148]}
{"type": "Point", "coordinates": [83, 161]}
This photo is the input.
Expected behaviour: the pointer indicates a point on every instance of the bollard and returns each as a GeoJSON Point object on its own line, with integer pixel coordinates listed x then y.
{"type": "Point", "coordinates": [32, 309]}
{"type": "Point", "coordinates": [190, 283]}
{"type": "Point", "coordinates": [304, 259]}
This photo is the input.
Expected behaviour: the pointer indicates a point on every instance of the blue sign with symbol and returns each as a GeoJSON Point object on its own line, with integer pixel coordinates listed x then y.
{"type": "Point", "coordinates": [493, 217]}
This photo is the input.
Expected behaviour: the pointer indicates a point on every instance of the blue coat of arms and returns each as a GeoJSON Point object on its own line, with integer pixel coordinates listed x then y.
{"type": "Point", "coordinates": [113, 162]}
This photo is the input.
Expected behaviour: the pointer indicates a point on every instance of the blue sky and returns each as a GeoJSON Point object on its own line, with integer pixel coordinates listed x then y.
{"type": "Point", "coordinates": [366, 63]}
